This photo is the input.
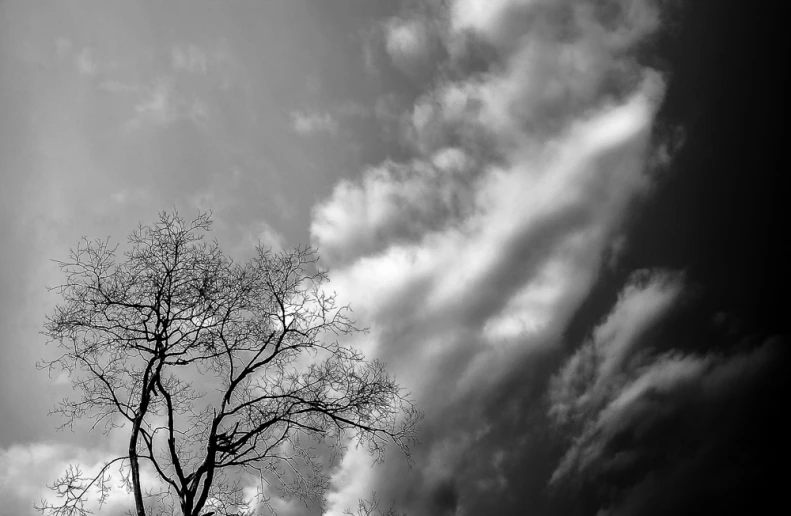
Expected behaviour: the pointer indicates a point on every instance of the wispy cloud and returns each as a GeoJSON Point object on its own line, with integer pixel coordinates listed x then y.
{"type": "Point", "coordinates": [86, 62]}
{"type": "Point", "coordinates": [131, 196]}
{"type": "Point", "coordinates": [306, 122]}
{"type": "Point", "coordinates": [409, 42]}
{"type": "Point", "coordinates": [587, 379]}
{"type": "Point", "coordinates": [643, 419]}
{"type": "Point", "coordinates": [213, 61]}
{"type": "Point", "coordinates": [603, 377]}
{"type": "Point", "coordinates": [618, 426]}
{"type": "Point", "coordinates": [159, 106]}
{"type": "Point", "coordinates": [163, 105]}
{"type": "Point", "coordinates": [189, 58]}
{"type": "Point", "coordinates": [84, 59]}
{"type": "Point", "coordinates": [261, 233]}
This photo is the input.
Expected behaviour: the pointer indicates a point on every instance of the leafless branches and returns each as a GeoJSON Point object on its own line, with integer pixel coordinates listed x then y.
{"type": "Point", "coordinates": [371, 508]}
{"type": "Point", "coordinates": [215, 367]}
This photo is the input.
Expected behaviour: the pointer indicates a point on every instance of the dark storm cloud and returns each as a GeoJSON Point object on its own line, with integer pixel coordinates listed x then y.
{"type": "Point", "coordinates": [690, 433]}
{"type": "Point", "coordinates": [468, 274]}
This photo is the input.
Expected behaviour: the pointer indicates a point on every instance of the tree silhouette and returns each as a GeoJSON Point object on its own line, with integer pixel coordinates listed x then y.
{"type": "Point", "coordinates": [219, 371]}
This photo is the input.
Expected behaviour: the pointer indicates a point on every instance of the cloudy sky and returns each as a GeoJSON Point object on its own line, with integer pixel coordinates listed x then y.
{"type": "Point", "coordinates": [560, 220]}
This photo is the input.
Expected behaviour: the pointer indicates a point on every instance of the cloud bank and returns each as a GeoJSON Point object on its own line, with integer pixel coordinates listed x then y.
{"type": "Point", "coordinates": [311, 122]}
{"type": "Point", "coordinates": [469, 261]}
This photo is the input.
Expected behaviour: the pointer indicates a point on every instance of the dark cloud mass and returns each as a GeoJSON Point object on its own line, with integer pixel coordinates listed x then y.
{"type": "Point", "coordinates": [663, 399]}
{"type": "Point", "coordinates": [561, 221]}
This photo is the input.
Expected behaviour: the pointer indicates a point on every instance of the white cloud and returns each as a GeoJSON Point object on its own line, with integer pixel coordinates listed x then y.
{"type": "Point", "coordinates": [163, 105]}
{"type": "Point", "coordinates": [409, 44]}
{"type": "Point", "coordinates": [27, 469]}
{"type": "Point", "coordinates": [189, 58]}
{"type": "Point", "coordinates": [263, 233]}
{"type": "Point", "coordinates": [159, 106]}
{"type": "Point", "coordinates": [483, 16]}
{"type": "Point", "coordinates": [86, 62]}
{"type": "Point", "coordinates": [310, 122]}
{"type": "Point", "coordinates": [349, 486]}
{"type": "Point", "coordinates": [210, 63]}
{"type": "Point", "coordinates": [394, 202]}
{"type": "Point", "coordinates": [500, 22]}
{"type": "Point", "coordinates": [136, 196]}
{"type": "Point", "coordinates": [197, 111]}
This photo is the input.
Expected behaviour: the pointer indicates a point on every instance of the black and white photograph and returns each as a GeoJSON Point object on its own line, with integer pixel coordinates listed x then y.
{"type": "Point", "coordinates": [394, 257]}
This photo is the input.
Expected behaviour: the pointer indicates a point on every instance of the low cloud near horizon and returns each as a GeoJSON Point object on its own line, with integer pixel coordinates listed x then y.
{"type": "Point", "coordinates": [472, 173]}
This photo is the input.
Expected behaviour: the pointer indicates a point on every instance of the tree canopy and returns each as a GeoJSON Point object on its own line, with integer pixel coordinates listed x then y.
{"type": "Point", "coordinates": [219, 371]}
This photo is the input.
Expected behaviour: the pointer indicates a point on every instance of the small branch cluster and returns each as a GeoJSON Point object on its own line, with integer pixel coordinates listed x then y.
{"type": "Point", "coordinates": [73, 489]}
{"type": "Point", "coordinates": [371, 508]}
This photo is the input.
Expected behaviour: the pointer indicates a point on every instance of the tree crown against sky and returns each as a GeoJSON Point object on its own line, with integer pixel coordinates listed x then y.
{"type": "Point", "coordinates": [217, 371]}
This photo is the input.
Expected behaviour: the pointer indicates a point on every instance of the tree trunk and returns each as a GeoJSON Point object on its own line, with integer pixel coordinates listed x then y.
{"type": "Point", "coordinates": [135, 463]}
{"type": "Point", "coordinates": [134, 460]}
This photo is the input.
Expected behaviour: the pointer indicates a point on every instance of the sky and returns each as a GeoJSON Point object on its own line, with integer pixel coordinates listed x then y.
{"type": "Point", "coordinates": [560, 220]}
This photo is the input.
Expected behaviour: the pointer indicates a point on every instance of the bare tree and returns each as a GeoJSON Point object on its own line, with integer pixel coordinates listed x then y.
{"type": "Point", "coordinates": [217, 370]}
